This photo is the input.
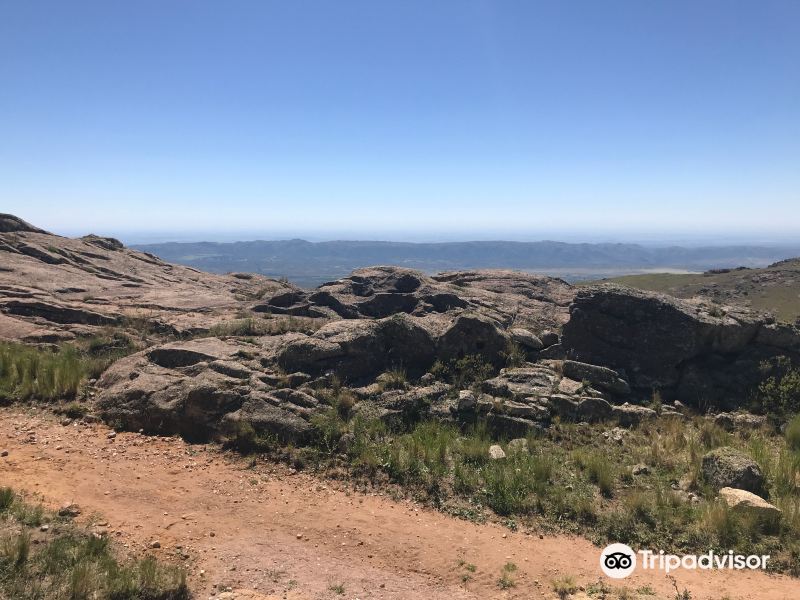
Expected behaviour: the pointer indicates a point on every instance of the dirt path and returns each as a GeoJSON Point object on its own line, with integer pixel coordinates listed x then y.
{"type": "Point", "coordinates": [297, 536]}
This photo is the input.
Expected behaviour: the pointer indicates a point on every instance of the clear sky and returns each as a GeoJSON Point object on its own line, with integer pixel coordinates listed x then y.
{"type": "Point", "coordinates": [402, 118]}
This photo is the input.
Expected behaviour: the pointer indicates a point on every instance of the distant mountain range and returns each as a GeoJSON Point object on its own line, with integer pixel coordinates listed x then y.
{"type": "Point", "coordinates": [311, 263]}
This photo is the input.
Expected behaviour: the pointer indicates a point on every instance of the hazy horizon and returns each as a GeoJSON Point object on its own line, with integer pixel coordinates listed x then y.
{"type": "Point", "coordinates": [689, 239]}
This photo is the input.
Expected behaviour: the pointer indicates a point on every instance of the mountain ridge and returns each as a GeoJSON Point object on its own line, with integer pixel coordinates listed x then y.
{"type": "Point", "coordinates": [311, 263]}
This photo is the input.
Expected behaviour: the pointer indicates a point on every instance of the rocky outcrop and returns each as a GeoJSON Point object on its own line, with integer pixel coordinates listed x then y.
{"type": "Point", "coordinates": [357, 349]}
{"type": "Point", "coordinates": [729, 468]}
{"type": "Point", "coordinates": [532, 302]}
{"type": "Point", "coordinates": [12, 224]}
{"type": "Point", "coordinates": [684, 349]}
{"type": "Point", "coordinates": [75, 287]}
{"type": "Point", "coordinates": [201, 389]}
{"type": "Point", "coordinates": [525, 338]}
{"type": "Point", "coordinates": [601, 377]}
{"type": "Point", "coordinates": [56, 313]}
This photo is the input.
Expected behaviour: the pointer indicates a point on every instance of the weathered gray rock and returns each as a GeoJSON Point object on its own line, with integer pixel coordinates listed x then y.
{"type": "Point", "coordinates": [678, 347]}
{"type": "Point", "coordinates": [467, 401]}
{"type": "Point", "coordinates": [532, 410]}
{"type": "Point", "coordinates": [473, 334]}
{"type": "Point", "coordinates": [629, 415]}
{"type": "Point", "coordinates": [503, 425]}
{"type": "Point", "coordinates": [602, 377]}
{"type": "Point", "coordinates": [266, 418]}
{"type": "Point", "coordinates": [731, 421]}
{"type": "Point", "coordinates": [535, 302]}
{"type": "Point", "coordinates": [565, 407]}
{"type": "Point", "coordinates": [726, 467]}
{"type": "Point", "coordinates": [522, 382]}
{"type": "Point", "coordinates": [496, 452]}
{"type": "Point", "coordinates": [593, 410]}
{"type": "Point", "coordinates": [549, 338]}
{"type": "Point", "coordinates": [525, 338]}
{"type": "Point", "coordinates": [200, 389]}
{"type": "Point", "coordinates": [356, 349]}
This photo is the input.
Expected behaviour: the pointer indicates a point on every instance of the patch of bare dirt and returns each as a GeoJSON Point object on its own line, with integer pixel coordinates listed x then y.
{"type": "Point", "coordinates": [265, 532]}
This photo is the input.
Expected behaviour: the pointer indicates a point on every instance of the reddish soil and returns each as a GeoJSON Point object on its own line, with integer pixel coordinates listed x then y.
{"type": "Point", "coordinates": [267, 531]}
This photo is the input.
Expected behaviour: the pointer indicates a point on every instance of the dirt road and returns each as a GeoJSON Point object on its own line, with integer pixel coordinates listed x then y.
{"type": "Point", "coordinates": [296, 536]}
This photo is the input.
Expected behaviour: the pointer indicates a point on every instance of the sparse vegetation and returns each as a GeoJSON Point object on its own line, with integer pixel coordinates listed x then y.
{"type": "Point", "coordinates": [463, 372]}
{"type": "Point", "coordinates": [514, 355]}
{"type": "Point", "coordinates": [568, 480]}
{"type": "Point", "coordinates": [34, 373]}
{"type": "Point", "coordinates": [337, 588]}
{"type": "Point", "coordinates": [396, 379]}
{"type": "Point", "coordinates": [793, 434]}
{"type": "Point", "coordinates": [506, 580]}
{"type": "Point", "coordinates": [564, 586]}
{"type": "Point", "coordinates": [247, 440]}
{"type": "Point", "coordinates": [67, 563]}
{"type": "Point", "coordinates": [251, 326]}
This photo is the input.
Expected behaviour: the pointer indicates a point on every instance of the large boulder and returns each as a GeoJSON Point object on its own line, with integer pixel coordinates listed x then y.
{"type": "Point", "coordinates": [727, 467]}
{"type": "Point", "coordinates": [525, 338]}
{"type": "Point", "coordinates": [629, 415]}
{"type": "Point", "coordinates": [202, 389]}
{"type": "Point", "coordinates": [593, 410]}
{"type": "Point", "coordinates": [359, 348]}
{"type": "Point", "coordinates": [265, 417]}
{"type": "Point", "coordinates": [682, 348]}
{"type": "Point", "coordinates": [473, 334]}
{"type": "Point", "coordinates": [746, 502]}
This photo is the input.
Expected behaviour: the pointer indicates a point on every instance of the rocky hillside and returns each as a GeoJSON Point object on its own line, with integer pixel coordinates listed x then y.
{"type": "Point", "coordinates": [513, 349]}
{"type": "Point", "coordinates": [774, 289]}
{"type": "Point", "coordinates": [54, 288]}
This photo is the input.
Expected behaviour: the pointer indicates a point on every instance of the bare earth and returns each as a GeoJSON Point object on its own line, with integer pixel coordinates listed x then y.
{"type": "Point", "coordinates": [267, 531]}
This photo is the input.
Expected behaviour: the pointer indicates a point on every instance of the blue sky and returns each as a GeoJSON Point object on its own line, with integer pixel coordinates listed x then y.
{"type": "Point", "coordinates": [449, 119]}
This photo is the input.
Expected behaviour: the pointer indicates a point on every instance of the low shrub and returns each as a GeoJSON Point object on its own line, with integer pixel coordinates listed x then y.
{"type": "Point", "coordinates": [463, 372]}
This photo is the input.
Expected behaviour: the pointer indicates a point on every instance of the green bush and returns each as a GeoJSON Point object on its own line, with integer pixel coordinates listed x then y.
{"type": "Point", "coordinates": [779, 392]}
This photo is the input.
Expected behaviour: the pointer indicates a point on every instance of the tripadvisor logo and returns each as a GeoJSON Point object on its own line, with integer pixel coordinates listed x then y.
{"type": "Point", "coordinates": [619, 561]}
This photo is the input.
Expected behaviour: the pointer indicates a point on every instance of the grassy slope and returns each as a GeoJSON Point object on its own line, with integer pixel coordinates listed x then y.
{"type": "Point", "coordinates": [775, 289]}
